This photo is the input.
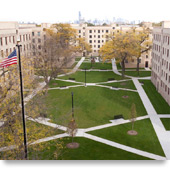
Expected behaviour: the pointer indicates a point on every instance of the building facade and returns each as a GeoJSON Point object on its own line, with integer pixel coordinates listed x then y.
{"type": "Point", "coordinates": [161, 60]}
{"type": "Point", "coordinates": [97, 36]}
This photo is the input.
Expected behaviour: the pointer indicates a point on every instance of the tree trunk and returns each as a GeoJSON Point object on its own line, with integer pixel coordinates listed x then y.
{"type": "Point", "coordinates": [132, 125]}
{"type": "Point", "coordinates": [72, 138]}
{"type": "Point", "coordinates": [123, 68]}
{"type": "Point", "coordinates": [137, 69]}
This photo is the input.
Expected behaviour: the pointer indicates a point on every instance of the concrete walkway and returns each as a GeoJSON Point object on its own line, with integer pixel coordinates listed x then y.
{"type": "Point", "coordinates": [74, 69]}
{"type": "Point", "coordinates": [124, 147]}
{"type": "Point", "coordinates": [155, 120]}
{"type": "Point", "coordinates": [45, 122]}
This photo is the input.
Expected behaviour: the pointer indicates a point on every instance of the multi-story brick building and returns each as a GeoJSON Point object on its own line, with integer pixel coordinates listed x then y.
{"type": "Point", "coordinates": [97, 36]}
{"type": "Point", "coordinates": [27, 34]}
{"type": "Point", "coordinates": [161, 60]}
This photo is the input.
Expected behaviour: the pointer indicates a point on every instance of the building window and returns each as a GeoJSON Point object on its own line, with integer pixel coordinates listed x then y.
{"type": "Point", "coordinates": [2, 53]}
{"type": "Point", "coordinates": [6, 52]}
{"type": "Point", "coordinates": [1, 42]}
{"type": "Point", "coordinates": [20, 38]}
{"type": "Point", "coordinates": [98, 36]}
{"type": "Point", "coordinates": [13, 39]}
{"type": "Point", "coordinates": [98, 31]}
{"type": "Point", "coordinates": [79, 31]}
{"type": "Point", "coordinates": [107, 31]}
{"type": "Point", "coordinates": [146, 56]}
{"type": "Point", "coordinates": [33, 40]}
{"type": "Point", "coordinates": [39, 40]}
{"type": "Point", "coordinates": [6, 41]}
{"type": "Point", "coordinates": [32, 33]}
{"type": "Point", "coordinates": [90, 31]}
{"type": "Point", "coordinates": [98, 46]}
{"type": "Point", "coordinates": [38, 33]}
{"type": "Point", "coordinates": [90, 41]}
{"type": "Point", "coordinates": [79, 36]}
{"type": "Point", "coordinates": [90, 36]}
{"type": "Point", "coordinates": [98, 41]}
{"type": "Point", "coordinates": [167, 52]}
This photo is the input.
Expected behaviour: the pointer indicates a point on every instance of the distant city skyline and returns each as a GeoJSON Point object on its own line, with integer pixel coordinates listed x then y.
{"type": "Point", "coordinates": [68, 10]}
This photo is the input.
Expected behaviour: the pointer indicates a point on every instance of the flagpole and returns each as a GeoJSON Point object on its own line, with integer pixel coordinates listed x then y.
{"type": "Point", "coordinates": [22, 103]}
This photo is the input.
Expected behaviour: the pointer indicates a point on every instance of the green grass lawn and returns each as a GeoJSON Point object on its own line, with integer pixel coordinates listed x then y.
{"type": "Point", "coordinates": [158, 102]}
{"type": "Point", "coordinates": [58, 83]}
{"type": "Point", "coordinates": [135, 73]}
{"type": "Point", "coordinates": [78, 58]}
{"type": "Point", "coordinates": [93, 76]}
{"type": "Point", "coordinates": [126, 84]}
{"type": "Point", "coordinates": [166, 123]}
{"type": "Point", "coordinates": [93, 105]}
{"type": "Point", "coordinates": [88, 150]}
{"type": "Point", "coordinates": [118, 66]}
{"type": "Point", "coordinates": [146, 139]}
{"type": "Point", "coordinates": [96, 66]}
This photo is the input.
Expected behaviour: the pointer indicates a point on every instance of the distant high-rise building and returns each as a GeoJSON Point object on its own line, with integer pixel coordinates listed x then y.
{"type": "Point", "coordinates": [79, 16]}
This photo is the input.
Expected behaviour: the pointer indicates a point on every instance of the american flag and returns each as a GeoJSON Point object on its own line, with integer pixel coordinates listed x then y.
{"type": "Point", "coordinates": [10, 60]}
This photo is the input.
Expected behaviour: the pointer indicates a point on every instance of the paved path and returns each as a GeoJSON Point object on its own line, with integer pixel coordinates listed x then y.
{"type": "Point", "coordinates": [123, 147]}
{"type": "Point", "coordinates": [164, 115]}
{"type": "Point", "coordinates": [44, 121]}
{"type": "Point", "coordinates": [114, 123]}
{"type": "Point", "coordinates": [74, 69]}
{"type": "Point", "coordinates": [114, 67]}
{"type": "Point", "coordinates": [155, 120]}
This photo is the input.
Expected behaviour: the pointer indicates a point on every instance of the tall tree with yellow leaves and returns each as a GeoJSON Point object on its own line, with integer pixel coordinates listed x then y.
{"type": "Point", "coordinates": [143, 44]}
{"type": "Point", "coordinates": [57, 51]}
{"type": "Point", "coordinates": [121, 47]}
{"type": "Point", "coordinates": [11, 130]}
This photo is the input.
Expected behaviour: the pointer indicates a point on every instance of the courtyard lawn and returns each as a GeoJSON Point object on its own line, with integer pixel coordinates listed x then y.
{"type": "Point", "coordinates": [92, 105]}
{"type": "Point", "coordinates": [93, 76]}
{"type": "Point", "coordinates": [158, 102]}
{"type": "Point", "coordinates": [146, 140]}
{"type": "Point", "coordinates": [78, 58]}
{"type": "Point", "coordinates": [166, 123]}
{"type": "Point", "coordinates": [96, 66]}
{"type": "Point", "coordinates": [58, 83]}
{"type": "Point", "coordinates": [126, 84]}
{"type": "Point", "coordinates": [135, 73]}
{"type": "Point", "coordinates": [118, 66]}
{"type": "Point", "coordinates": [88, 150]}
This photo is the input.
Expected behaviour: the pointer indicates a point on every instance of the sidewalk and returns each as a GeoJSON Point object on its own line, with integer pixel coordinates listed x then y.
{"type": "Point", "coordinates": [155, 120]}
{"type": "Point", "coordinates": [74, 69]}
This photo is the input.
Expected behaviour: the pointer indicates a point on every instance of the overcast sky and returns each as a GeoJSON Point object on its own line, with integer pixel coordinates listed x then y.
{"type": "Point", "coordinates": [67, 10]}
